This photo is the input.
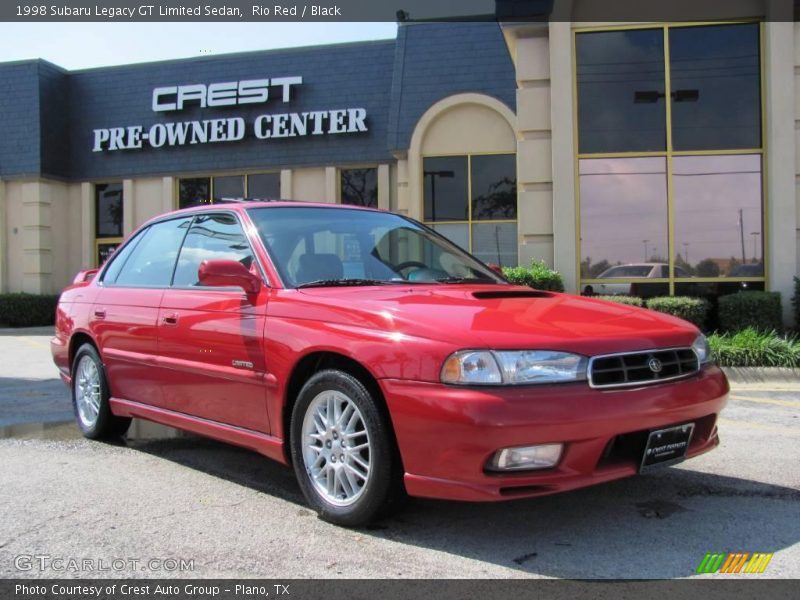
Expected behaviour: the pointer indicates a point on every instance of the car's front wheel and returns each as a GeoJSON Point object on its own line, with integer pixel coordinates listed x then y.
{"type": "Point", "coordinates": [342, 450]}
{"type": "Point", "coordinates": [90, 396]}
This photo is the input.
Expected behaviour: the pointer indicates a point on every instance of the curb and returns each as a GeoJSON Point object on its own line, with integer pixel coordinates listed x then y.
{"type": "Point", "coordinates": [782, 377]}
{"type": "Point", "coordinates": [23, 331]}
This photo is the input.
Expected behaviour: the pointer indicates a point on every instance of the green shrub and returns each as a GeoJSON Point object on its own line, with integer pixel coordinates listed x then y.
{"type": "Point", "coordinates": [694, 310]}
{"type": "Point", "coordinates": [753, 348]}
{"type": "Point", "coordinates": [538, 276]}
{"type": "Point", "coordinates": [27, 310]}
{"type": "Point", "coordinates": [629, 300]}
{"type": "Point", "coordinates": [759, 310]}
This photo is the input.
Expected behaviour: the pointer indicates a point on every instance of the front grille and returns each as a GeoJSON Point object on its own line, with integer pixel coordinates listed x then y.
{"type": "Point", "coordinates": [640, 368]}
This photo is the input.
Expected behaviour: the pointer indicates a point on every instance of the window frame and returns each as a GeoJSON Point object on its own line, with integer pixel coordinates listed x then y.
{"type": "Point", "coordinates": [469, 222]}
{"type": "Point", "coordinates": [669, 153]}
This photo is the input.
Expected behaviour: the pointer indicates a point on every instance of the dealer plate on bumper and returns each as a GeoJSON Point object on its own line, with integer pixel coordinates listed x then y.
{"type": "Point", "coordinates": [666, 446]}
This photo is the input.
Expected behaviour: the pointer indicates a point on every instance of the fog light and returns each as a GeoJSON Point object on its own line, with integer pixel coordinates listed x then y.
{"type": "Point", "coordinates": [526, 458]}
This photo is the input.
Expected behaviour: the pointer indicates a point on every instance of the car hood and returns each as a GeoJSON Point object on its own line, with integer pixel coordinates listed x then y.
{"type": "Point", "coordinates": [491, 316]}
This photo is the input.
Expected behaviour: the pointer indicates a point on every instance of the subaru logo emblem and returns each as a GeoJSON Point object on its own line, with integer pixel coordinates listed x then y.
{"type": "Point", "coordinates": [655, 365]}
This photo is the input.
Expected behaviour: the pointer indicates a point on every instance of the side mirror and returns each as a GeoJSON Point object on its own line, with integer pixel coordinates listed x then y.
{"type": "Point", "coordinates": [226, 273]}
{"type": "Point", "coordinates": [85, 275]}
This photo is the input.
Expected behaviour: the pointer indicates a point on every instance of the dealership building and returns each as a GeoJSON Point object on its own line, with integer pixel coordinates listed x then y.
{"type": "Point", "coordinates": [645, 158]}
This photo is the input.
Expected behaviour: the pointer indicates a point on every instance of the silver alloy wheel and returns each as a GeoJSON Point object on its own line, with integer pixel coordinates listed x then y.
{"type": "Point", "coordinates": [336, 448]}
{"type": "Point", "coordinates": [87, 391]}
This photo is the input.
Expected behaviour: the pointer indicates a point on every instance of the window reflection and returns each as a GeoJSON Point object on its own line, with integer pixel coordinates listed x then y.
{"type": "Point", "coordinates": [718, 223]}
{"type": "Point", "coordinates": [192, 192]}
{"type": "Point", "coordinates": [359, 187]}
{"type": "Point", "coordinates": [264, 186]}
{"type": "Point", "coordinates": [716, 87]}
{"type": "Point", "coordinates": [495, 243]}
{"type": "Point", "coordinates": [108, 210]}
{"type": "Point", "coordinates": [445, 184]}
{"type": "Point", "coordinates": [621, 91]}
{"type": "Point", "coordinates": [228, 187]}
{"type": "Point", "coordinates": [494, 187]}
{"type": "Point", "coordinates": [624, 219]}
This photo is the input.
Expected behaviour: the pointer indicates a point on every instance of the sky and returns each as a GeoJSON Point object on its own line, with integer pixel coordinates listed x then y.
{"type": "Point", "coordinates": [86, 45]}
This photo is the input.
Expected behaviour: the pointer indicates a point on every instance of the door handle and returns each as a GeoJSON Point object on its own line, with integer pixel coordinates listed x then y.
{"type": "Point", "coordinates": [100, 313]}
{"type": "Point", "coordinates": [171, 319]}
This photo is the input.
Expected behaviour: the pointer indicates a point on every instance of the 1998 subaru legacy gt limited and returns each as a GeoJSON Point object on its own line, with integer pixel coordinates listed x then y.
{"type": "Point", "coordinates": [378, 359]}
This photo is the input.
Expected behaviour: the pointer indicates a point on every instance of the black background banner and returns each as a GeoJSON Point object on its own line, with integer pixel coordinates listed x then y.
{"type": "Point", "coordinates": [375, 589]}
{"type": "Point", "coordinates": [392, 10]}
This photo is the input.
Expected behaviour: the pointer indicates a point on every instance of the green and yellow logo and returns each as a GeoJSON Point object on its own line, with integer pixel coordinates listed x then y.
{"type": "Point", "coordinates": [735, 562]}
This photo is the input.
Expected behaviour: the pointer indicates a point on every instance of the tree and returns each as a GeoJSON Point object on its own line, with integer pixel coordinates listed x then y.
{"type": "Point", "coordinates": [707, 268]}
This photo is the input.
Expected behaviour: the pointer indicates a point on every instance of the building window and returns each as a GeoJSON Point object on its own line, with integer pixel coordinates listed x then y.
{"type": "Point", "coordinates": [207, 190]}
{"type": "Point", "coordinates": [670, 159]}
{"type": "Point", "coordinates": [359, 187]}
{"type": "Point", "coordinates": [108, 220]}
{"type": "Point", "coordinates": [472, 200]}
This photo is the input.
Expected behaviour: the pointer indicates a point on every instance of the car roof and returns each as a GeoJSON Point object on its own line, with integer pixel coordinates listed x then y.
{"type": "Point", "coordinates": [238, 204]}
{"type": "Point", "coordinates": [244, 205]}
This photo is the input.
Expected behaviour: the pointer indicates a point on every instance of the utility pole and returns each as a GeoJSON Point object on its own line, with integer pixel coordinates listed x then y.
{"type": "Point", "coordinates": [741, 235]}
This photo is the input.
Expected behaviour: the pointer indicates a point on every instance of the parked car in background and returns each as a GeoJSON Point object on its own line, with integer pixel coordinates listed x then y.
{"type": "Point", "coordinates": [634, 271]}
{"type": "Point", "coordinates": [378, 359]}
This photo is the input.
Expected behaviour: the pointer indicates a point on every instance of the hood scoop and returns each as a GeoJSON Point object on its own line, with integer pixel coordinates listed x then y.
{"type": "Point", "coordinates": [502, 295]}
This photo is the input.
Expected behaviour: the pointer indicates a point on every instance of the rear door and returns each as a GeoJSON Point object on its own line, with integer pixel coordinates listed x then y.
{"type": "Point", "coordinates": [211, 338]}
{"type": "Point", "coordinates": [125, 313]}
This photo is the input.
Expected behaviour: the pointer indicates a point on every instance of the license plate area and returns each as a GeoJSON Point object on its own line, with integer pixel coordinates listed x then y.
{"type": "Point", "coordinates": [666, 446]}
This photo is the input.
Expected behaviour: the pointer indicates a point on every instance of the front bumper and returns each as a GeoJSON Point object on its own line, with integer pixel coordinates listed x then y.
{"type": "Point", "coordinates": [447, 434]}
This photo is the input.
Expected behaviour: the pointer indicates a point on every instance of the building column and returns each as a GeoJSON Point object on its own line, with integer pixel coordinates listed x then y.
{"type": "Point", "coordinates": [384, 187]}
{"type": "Point", "coordinates": [127, 207]}
{"type": "Point", "coordinates": [331, 185]}
{"type": "Point", "coordinates": [168, 200]}
{"type": "Point", "coordinates": [36, 239]}
{"type": "Point", "coordinates": [402, 194]}
{"type": "Point", "coordinates": [565, 234]}
{"type": "Point", "coordinates": [780, 169]}
{"type": "Point", "coordinates": [286, 184]}
{"type": "Point", "coordinates": [3, 239]}
{"type": "Point", "coordinates": [87, 226]}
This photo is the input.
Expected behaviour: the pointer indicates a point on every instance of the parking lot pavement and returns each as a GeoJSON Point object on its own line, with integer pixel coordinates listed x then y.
{"type": "Point", "coordinates": [232, 513]}
{"type": "Point", "coordinates": [30, 389]}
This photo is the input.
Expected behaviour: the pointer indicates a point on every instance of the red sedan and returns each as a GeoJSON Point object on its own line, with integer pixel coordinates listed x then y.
{"type": "Point", "coordinates": [378, 359]}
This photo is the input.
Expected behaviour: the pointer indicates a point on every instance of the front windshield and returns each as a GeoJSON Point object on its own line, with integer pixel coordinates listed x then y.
{"type": "Point", "coordinates": [330, 246]}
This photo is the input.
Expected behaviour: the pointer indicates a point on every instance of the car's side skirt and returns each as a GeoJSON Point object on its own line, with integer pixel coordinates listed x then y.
{"type": "Point", "coordinates": [262, 443]}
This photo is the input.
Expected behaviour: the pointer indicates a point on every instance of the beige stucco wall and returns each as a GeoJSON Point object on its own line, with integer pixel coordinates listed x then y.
{"type": "Point", "coordinates": [308, 184]}
{"type": "Point", "coordinates": [41, 235]}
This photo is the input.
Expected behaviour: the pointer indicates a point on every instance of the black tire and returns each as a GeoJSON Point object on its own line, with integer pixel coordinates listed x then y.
{"type": "Point", "coordinates": [105, 425]}
{"type": "Point", "coordinates": [588, 291]}
{"type": "Point", "coordinates": [383, 489]}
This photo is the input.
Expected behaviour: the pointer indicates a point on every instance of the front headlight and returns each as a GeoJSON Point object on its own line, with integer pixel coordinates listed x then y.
{"type": "Point", "coordinates": [484, 367]}
{"type": "Point", "coordinates": [702, 349]}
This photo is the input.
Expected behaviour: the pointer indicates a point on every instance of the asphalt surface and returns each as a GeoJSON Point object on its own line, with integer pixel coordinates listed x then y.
{"type": "Point", "coordinates": [227, 512]}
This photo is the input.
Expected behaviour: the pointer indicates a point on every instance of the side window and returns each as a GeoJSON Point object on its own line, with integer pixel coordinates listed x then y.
{"type": "Point", "coordinates": [152, 261]}
{"type": "Point", "coordinates": [120, 257]}
{"type": "Point", "coordinates": [211, 237]}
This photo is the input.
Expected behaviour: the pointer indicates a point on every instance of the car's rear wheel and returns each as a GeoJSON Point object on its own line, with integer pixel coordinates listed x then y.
{"type": "Point", "coordinates": [342, 450]}
{"type": "Point", "coordinates": [90, 397]}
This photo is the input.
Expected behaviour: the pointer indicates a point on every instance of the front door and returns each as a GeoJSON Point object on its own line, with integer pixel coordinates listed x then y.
{"type": "Point", "coordinates": [211, 339]}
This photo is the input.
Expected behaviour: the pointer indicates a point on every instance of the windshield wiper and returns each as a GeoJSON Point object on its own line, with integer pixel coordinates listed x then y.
{"type": "Point", "coordinates": [465, 280]}
{"type": "Point", "coordinates": [346, 282]}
